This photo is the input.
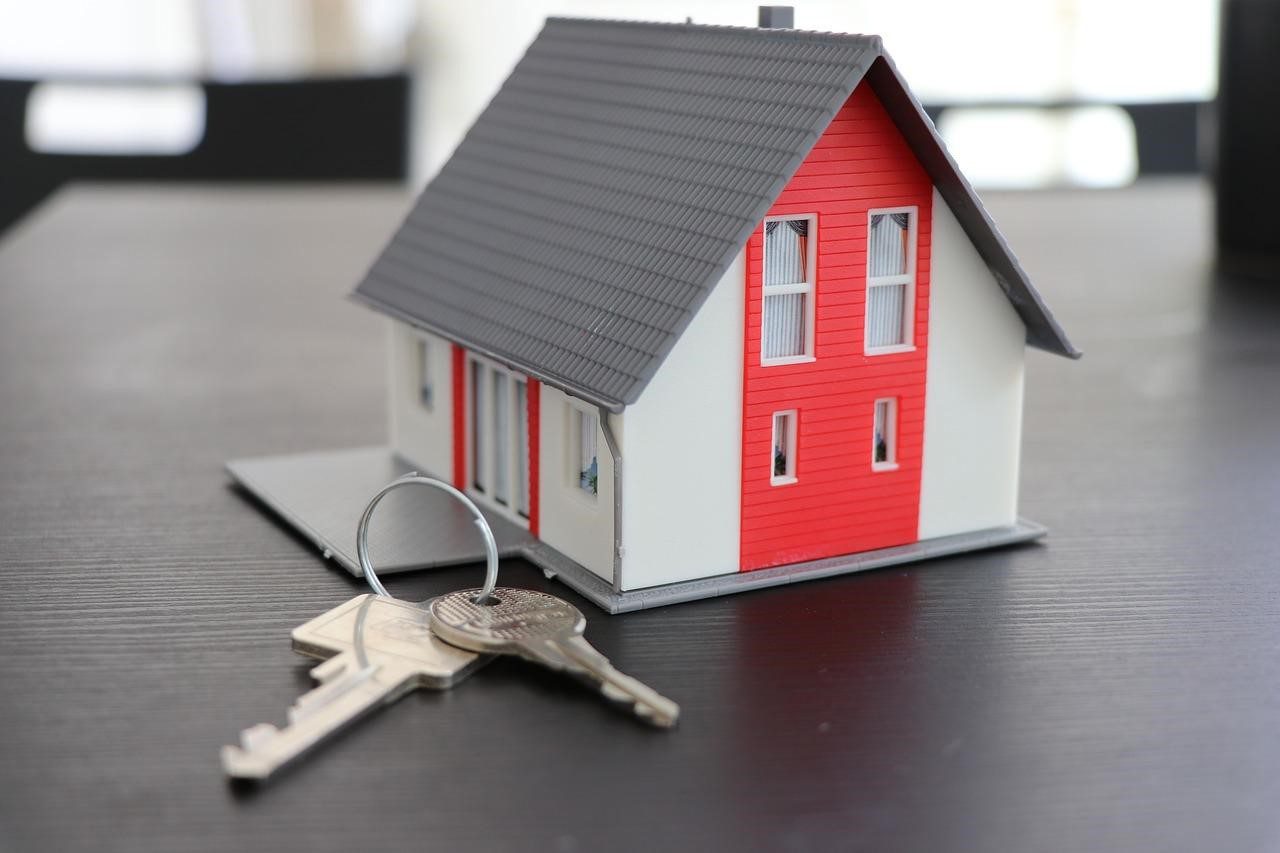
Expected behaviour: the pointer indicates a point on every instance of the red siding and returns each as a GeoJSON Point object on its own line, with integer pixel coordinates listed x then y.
{"type": "Point", "coordinates": [459, 417]}
{"type": "Point", "coordinates": [838, 504]}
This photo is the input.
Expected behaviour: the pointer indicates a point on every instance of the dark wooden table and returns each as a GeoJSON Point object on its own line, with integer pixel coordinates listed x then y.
{"type": "Point", "coordinates": [1116, 688]}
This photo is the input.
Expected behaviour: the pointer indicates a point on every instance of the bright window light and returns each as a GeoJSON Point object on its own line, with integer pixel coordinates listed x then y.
{"type": "Point", "coordinates": [1017, 147]}
{"type": "Point", "coordinates": [114, 120]}
{"type": "Point", "coordinates": [1101, 147]}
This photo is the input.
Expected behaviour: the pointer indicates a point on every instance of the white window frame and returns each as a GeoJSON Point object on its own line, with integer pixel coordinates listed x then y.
{"type": "Point", "coordinates": [909, 279]}
{"type": "Point", "coordinates": [890, 437]}
{"type": "Point", "coordinates": [424, 359]}
{"type": "Point", "coordinates": [573, 451]}
{"type": "Point", "coordinates": [508, 508]}
{"type": "Point", "coordinates": [792, 442]}
{"type": "Point", "coordinates": [808, 287]}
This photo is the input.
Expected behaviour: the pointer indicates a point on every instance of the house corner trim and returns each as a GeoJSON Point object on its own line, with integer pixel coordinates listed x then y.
{"type": "Point", "coordinates": [615, 451]}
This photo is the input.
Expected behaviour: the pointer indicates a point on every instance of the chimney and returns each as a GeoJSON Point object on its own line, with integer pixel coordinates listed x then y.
{"type": "Point", "coordinates": [777, 17]}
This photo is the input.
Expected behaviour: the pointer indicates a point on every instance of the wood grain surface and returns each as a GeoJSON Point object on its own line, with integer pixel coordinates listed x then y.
{"type": "Point", "coordinates": [1115, 688]}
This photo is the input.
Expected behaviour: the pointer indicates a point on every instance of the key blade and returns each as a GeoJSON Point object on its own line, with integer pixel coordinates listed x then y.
{"type": "Point", "coordinates": [584, 660]}
{"type": "Point", "coordinates": [378, 649]}
{"type": "Point", "coordinates": [332, 706]}
{"type": "Point", "coordinates": [546, 630]}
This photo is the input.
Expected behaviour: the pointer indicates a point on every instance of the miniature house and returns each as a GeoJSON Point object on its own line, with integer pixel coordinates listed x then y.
{"type": "Point", "coordinates": [692, 305]}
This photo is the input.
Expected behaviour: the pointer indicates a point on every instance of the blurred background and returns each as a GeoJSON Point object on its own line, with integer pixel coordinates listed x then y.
{"type": "Point", "coordinates": [1027, 93]}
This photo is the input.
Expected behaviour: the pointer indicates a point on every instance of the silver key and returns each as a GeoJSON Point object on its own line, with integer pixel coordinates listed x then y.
{"type": "Point", "coordinates": [545, 630]}
{"type": "Point", "coordinates": [399, 653]}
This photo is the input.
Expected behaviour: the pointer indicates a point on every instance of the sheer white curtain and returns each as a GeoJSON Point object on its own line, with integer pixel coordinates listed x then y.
{"type": "Point", "coordinates": [784, 252]}
{"type": "Point", "coordinates": [887, 246]}
{"type": "Point", "coordinates": [784, 315]}
{"type": "Point", "coordinates": [786, 264]}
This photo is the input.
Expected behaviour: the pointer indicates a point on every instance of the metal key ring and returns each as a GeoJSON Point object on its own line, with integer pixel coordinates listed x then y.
{"type": "Point", "coordinates": [410, 479]}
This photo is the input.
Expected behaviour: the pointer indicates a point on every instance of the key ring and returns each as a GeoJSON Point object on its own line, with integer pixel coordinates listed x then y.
{"type": "Point", "coordinates": [414, 478]}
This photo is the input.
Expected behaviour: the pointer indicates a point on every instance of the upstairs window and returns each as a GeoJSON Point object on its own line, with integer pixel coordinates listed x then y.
{"type": "Point", "coordinates": [891, 278]}
{"type": "Point", "coordinates": [884, 438]}
{"type": "Point", "coordinates": [786, 333]}
{"type": "Point", "coordinates": [783, 455]}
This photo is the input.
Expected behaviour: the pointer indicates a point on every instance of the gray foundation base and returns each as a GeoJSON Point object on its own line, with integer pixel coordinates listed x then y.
{"type": "Point", "coordinates": [323, 495]}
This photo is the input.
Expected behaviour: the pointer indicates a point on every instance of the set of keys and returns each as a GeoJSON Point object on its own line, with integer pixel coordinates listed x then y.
{"type": "Point", "coordinates": [378, 648]}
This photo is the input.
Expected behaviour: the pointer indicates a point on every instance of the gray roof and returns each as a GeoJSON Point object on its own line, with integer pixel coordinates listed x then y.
{"type": "Point", "coordinates": [602, 193]}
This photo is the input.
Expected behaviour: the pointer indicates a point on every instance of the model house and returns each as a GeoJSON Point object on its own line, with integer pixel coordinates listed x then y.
{"type": "Point", "coordinates": [689, 303]}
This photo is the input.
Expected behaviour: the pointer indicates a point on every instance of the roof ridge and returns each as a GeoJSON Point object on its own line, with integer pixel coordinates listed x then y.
{"type": "Point", "coordinates": [758, 32]}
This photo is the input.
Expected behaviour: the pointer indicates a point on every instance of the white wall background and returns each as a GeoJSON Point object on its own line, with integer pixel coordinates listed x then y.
{"type": "Point", "coordinates": [682, 462]}
{"type": "Point", "coordinates": [973, 390]}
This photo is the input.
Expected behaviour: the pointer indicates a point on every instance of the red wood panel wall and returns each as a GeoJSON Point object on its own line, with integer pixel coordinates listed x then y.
{"type": "Point", "coordinates": [838, 504]}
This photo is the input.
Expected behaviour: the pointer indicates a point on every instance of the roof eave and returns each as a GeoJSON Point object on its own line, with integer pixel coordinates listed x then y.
{"type": "Point", "coordinates": [612, 405]}
{"type": "Point", "coordinates": [909, 116]}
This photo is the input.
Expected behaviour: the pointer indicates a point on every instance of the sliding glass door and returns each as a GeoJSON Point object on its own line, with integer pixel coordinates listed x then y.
{"type": "Point", "coordinates": [498, 435]}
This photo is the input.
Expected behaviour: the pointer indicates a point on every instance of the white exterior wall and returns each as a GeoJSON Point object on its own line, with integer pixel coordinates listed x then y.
{"type": "Point", "coordinates": [422, 436]}
{"type": "Point", "coordinates": [973, 390]}
{"type": "Point", "coordinates": [569, 519]}
{"type": "Point", "coordinates": [682, 463]}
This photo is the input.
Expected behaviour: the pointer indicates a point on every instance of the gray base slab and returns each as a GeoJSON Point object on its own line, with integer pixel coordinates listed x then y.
{"type": "Point", "coordinates": [323, 494]}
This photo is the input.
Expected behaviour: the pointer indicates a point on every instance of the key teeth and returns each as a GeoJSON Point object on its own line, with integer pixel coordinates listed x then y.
{"type": "Point", "coordinates": [240, 764]}
{"type": "Point", "coordinates": [252, 738]}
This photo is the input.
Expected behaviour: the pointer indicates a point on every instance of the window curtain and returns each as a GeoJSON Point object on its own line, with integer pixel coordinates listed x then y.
{"type": "Point", "coordinates": [785, 262]}
{"type": "Point", "coordinates": [884, 314]}
{"type": "Point", "coordinates": [784, 251]}
{"type": "Point", "coordinates": [888, 244]}
{"type": "Point", "coordinates": [783, 332]}
{"type": "Point", "coordinates": [887, 249]}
